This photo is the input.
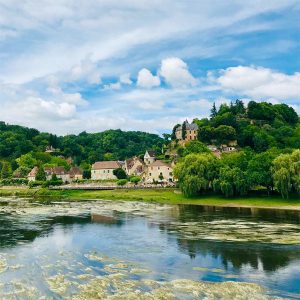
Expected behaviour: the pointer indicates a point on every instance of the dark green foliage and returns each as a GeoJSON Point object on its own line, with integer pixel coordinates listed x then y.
{"type": "Point", "coordinates": [184, 130]}
{"type": "Point", "coordinates": [213, 111]}
{"type": "Point", "coordinates": [6, 170]}
{"type": "Point", "coordinates": [173, 135]}
{"type": "Point", "coordinates": [260, 126]}
{"type": "Point", "coordinates": [120, 173]}
{"type": "Point", "coordinates": [40, 176]}
{"type": "Point", "coordinates": [16, 141]}
{"type": "Point", "coordinates": [86, 174]}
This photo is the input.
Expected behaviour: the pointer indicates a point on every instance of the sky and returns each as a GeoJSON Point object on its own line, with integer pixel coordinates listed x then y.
{"type": "Point", "coordinates": [68, 66]}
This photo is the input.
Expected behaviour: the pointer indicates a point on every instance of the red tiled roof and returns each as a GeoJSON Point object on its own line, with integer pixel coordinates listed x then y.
{"type": "Point", "coordinates": [159, 163]}
{"type": "Point", "coordinates": [75, 171]}
{"type": "Point", "coordinates": [99, 165]}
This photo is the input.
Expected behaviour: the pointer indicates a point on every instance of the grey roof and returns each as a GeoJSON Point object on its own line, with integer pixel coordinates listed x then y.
{"type": "Point", "coordinates": [192, 126]}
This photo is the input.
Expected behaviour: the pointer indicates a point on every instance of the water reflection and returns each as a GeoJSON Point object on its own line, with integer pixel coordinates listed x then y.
{"type": "Point", "coordinates": [170, 242]}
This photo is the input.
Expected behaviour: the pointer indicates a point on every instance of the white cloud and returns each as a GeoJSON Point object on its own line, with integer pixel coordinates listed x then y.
{"type": "Point", "coordinates": [146, 79]}
{"type": "Point", "coordinates": [259, 82]}
{"type": "Point", "coordinates": [175, 72]}
{"type": "Point", "coordinates": [125, 79]}
{"type": "Point", "coordinates": [86, 70]}
{"type": "Point", "coordinates": [112, 86]}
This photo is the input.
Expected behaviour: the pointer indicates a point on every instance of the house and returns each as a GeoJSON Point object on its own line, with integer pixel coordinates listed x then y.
{"type": "Point", "coordinates": [149, 157]}
{"type": "Point", "coordinates": [191, 132]}
{"type": "Point", "coordinates": [134, 166]}
{"type": "Point", "coordinates": [76, 173]}
{"type": "Point", "coordinates": [32, 174]}
{"type": "Point", "coordinates": [51, 149]}
{"type": "Point", "coordinates": [103, 170]}
{"type": "Point", "coordinates": [159, 171]}
{"type": "Point", "coordinates": [59, 171]}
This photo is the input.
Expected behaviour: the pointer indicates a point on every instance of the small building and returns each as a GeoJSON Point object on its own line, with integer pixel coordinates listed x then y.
{"type": "Point", "coordinates": [134, 166]}
{"type": "Point", "coordinates": [149, 157]}
{"type": "Point", "coordinates": [32, 174]}
{"type": "Point", "coordinates": [75, 173]}
{"type": "Point", "coordinates": [103, 170]}
{"type": "Point", "coordinates": [59, 171]}
{"type": "Point", "coordinates": [159, 171]}
{"type": "Point", "coordinates": [191, 132]}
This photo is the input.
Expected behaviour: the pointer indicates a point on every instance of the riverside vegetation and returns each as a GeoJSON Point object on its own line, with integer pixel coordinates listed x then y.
{"type": "Point", "coordinates": [267, 160]}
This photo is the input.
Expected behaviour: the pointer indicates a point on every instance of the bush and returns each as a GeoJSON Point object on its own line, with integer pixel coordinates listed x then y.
{"type": "Point", "coordinates": [14, 181]}
{"type": "Point", "coordinates": [120, 173]}
{"type": "Point", "coordinates": [122, 182]}
{"type": "Point", "coordinates": [135, 179]}
{"type": "Point", "coordinates": [36, 183]}
{"type": "Point", "coordinates": [53, 182]}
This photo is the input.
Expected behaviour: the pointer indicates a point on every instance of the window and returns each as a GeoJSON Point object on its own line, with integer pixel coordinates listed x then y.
{"type": "Point", "coordinates": [107, 171]}
{"type": "Point", "coordinates": [149, 174]}
{"type": "Point", "coordinates": [171, 174]}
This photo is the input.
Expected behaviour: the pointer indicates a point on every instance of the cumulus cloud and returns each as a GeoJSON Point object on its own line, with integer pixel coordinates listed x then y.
{"type": "Point", "coordinates": [176, 73]}
{"type": "Point", "coordinates": [259, 82]}
{"type": "Point", "coordinates": [146, 79]}
{"type": "Point", "coordinates": [87, 70]}
{"type": "Point", "coordinates": [125, 79]}
{"type": "Point", "coordinates": [112, 86]}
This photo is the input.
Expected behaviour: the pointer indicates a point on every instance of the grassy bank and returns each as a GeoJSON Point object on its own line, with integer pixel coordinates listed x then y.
{"type": "Point", "coordinates": [168, 196]}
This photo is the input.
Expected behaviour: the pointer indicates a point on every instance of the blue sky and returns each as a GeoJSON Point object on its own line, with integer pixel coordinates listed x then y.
{"type": "Point", "coordinates": [67, 65]}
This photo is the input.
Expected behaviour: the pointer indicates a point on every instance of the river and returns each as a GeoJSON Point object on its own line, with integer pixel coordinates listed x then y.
{"type": "Point", "coordinates": [134, 250]}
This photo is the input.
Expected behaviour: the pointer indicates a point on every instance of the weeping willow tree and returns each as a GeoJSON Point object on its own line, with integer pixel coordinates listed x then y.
{"type": "Point", "coordinates": [195, 173]}
{"type": "Point", "coordinates": [286, 173]}
{"type": "Point", "coordinates": [232, 181]}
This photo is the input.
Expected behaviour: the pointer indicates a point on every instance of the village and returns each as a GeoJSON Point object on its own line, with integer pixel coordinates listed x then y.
{"type": "Point", "coordinates": [149, 169]}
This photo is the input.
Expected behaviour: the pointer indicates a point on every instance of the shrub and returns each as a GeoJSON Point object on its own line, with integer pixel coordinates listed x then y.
{"type": "Point", "coordinates": [135, 179]}
{"type": "Point", "coordinates": [122, 182]}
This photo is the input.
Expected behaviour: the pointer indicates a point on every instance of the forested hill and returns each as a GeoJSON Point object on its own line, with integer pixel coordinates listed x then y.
{"type": "Point", "coordinates": [259, 125]}
{"type": "Point", "coordinates": [83, 148]}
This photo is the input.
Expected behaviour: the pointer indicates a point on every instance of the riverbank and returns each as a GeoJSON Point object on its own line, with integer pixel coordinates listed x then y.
{"type": "Point", "coordinates": [166, 196]}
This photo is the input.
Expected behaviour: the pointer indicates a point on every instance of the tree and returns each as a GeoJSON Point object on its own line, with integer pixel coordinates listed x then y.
{"type": "Point", "coordinates": [120, 173]}
{"type": "Point", "coordinates": [194, 147]}
{"type": "Point", "coordinates": [286, 173]}
{"type": "Point", "coordinates": [40, 175]}
{"type": "Point", "coordinates": [213, 111]}
{"type": "Point", "coordinates": [195, 173]}
{"type": "Point", "coordinates": [259, 170]}
{"type": "Point", "coordinates": [184, 130]}
{"type": "Point", "coordinates": [135, 179]}
{"type": "Point", "coordinates": [206, 134]}
{"type": "Point", "coordinates": [173, 135]}
{"type": "Point", "coordinates": [26, 161]}
{"type": "Point", "coordinates": [6, 171]}
{"type": "Point", "coordinates": [231, 182]}
{"type": "Point", "coordinates": [86, 174]}
{"type": "Point", "coordinates": [224, 134]}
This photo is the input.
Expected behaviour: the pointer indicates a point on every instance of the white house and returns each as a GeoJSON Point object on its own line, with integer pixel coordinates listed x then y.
{"type": "Point", "coordinates": [159, 171]}
{"type": "Point", "coordinates": [149, 157]}
{"type": "Point", "coordinates": [32, 174]}
{"type": "Point", "coordinates": [134, 166]}
{"type": "Point", "coordinates": [103, 170]}
{"type": "Point", "coordinates": [60, 172]}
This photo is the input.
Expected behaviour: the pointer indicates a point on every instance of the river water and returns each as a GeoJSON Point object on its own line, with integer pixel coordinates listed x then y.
{"type": "Point", "coordinates": [132, 250]}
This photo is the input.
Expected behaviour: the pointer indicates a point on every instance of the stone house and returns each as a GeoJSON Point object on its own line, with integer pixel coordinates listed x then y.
{"type": "Point", "coordinates": [159, 171]}
{"type": "Point", "coordinates": [103, 170]}
{"type": "Point", "coordinates": [191, 132]}
{"type": "Point", "coordinates": [134, 166]}
{"type": "Point", "coordinates": [59, 171]}
{"type": "Point", "coordinates": [149, 157]}
{"type": "Point", "coordinates": [76, 173]}
{"type": "Point", "coordinates": [32, 174]}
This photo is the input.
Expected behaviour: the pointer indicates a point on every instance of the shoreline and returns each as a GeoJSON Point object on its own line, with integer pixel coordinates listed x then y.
{"type": "Point", "coordinates": [163, 196]}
